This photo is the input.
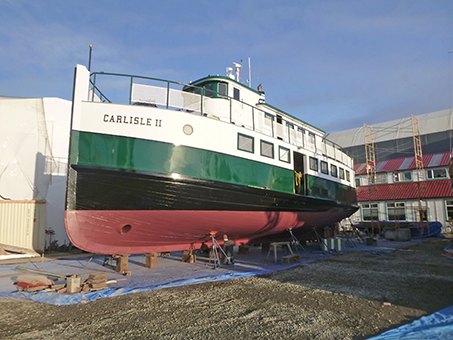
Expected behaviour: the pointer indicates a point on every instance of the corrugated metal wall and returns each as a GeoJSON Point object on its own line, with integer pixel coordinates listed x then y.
{"type": "Point", "coordinates": [22, 224]}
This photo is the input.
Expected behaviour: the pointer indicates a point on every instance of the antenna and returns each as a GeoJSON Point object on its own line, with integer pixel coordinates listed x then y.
{"type": "Point", "coordinates": [250, 74]}
{"type": "Point", "coordinates": [89, 59]}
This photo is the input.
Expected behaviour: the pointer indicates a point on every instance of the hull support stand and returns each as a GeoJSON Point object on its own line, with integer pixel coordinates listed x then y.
{"type": "Point", "coordinates": [151, 260]}
{"type": "Point", "coordinates": [214, 255]}
{"type": "Point", "coordinates": [122, 263]}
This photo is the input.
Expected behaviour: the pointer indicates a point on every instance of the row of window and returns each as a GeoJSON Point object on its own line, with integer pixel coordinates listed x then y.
{"type": "Point", "coordinates": [396, 211]}
{"type": "Point", "coordinates": [334, 170]}
{"type": "Point", "coordinates": [269, 120]}
{"type": "Point", "coordinates": [406, 176]}
{"type": "Point", "coordinates": [246, 143]}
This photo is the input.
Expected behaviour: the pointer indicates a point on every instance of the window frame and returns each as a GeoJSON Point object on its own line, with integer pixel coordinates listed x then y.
{"type": "Point", "coordinates": [280, 148]}
{"type": "Point", "coordinates": [348, 176]}
{"type": "Point", "coordinates": [332, 172]}
{"type": "Point", "coordinates": [371, 210]}
{"type": "Point", "coordinates": [428, 171]}
{"type": "Point", "coordinates": [397, 173]}
{"type": "Point", "coordinates": [384, 175]}
{"type": "Point", "coordinates": [395, 207]}
{"type": "Point", "coordinates": [326, 170]}
{"type": "Point", "coordinates": [310, 163]}
{"type": "Point", "coordinates": [268, 143]}
{"type": "Point", "coordinates": [246, 136]}
{"type": "Point", "coordinates": [341, 173]}
{"type": "Point", "coordinates": [236, 94]}
{"type": "Point", "coordinates": [447, 205]}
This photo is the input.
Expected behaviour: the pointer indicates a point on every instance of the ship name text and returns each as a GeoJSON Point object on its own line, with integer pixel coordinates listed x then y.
{"type": "Point", "coordinates": [132, 120]}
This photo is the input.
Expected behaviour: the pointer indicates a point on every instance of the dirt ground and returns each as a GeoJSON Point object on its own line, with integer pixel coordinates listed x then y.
{"type": "Point", "coordinates": [349, 296]}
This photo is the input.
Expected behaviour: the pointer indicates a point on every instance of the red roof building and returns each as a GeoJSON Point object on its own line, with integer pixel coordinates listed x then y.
{"type": "Point", "coordinates": [399, 191]}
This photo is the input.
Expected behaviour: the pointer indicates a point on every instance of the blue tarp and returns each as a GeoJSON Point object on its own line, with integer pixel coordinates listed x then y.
{"type": "Point", "coordinates": [139, 285]}
{"type": "Point", "coordinates": [432, 229]}
{"type": "Point", "coordinates": [437, 326]}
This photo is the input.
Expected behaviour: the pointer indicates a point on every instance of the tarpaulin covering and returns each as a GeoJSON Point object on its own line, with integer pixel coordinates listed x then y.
{"type": "Point", "coordinates": [437, 326]}
{"type": "Point", "coordinates": [432, 229]}
{"type": "Point", "coordinates": [139, 285]}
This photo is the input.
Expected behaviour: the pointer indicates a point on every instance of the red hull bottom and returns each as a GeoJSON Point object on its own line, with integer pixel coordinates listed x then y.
{"type": "Point", "coordinates": [152, 231]}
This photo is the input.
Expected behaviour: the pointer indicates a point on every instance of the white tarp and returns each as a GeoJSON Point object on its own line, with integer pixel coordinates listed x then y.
{"type": "Point", "coordinates": [34, 139]}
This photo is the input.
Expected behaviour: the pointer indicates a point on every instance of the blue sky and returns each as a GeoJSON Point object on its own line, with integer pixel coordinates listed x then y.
{"type": "Point", "coordinates": [333, 63]}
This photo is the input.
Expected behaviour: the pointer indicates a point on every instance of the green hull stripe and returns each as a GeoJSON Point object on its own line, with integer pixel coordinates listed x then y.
{"type": "Point", "coordinates": [93, 149]}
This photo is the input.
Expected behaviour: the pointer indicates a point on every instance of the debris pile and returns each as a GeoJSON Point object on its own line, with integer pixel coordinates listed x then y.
{"type": "Point", "coordinates": [95, 282]}
{"type": "Point", "coordinates": [73, 285]}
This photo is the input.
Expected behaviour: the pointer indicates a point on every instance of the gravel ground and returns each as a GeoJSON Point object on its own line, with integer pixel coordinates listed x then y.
{"type": "Point", "coordinates": [349, 296]}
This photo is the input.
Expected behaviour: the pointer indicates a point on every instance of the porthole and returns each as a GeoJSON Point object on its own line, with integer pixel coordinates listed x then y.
{"type": "Point", "coordinates": [187, 129]}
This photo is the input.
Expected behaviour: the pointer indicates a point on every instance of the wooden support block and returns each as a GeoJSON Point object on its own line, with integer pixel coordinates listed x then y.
{"type": "Point", "coordinates": [265, 247]}
{"type": "Point", "coordinates": [188, 256]}
{"type": "Point", "coordinates": [286, 260]}
{"type": "Point", "coordinates": [122, 262]}
{"type": "Point", "coordinates": [151, 260]}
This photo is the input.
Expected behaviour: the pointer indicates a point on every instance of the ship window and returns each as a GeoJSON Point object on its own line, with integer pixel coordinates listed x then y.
{"type": "Point", "coordinates": [333, 170]}
{"type": "Point", "coordinates": [222, 89]}
{"type": "Point", "coordinates": [301, 130]}
{"type": "Point", "coordinates": [209, 90]}
{"type": "Point", "coordinates": [268, 119]}
{"type": "Point", "coordinates": [324, 168]}
{"type": "Point", "coordinates": [267, 149]}
{"type": "Point", "coordinates": [311, 137]}
{"type": "Point", "coordinates": [290, 125]}
{"type": "Point", "coordinates": [348, 176]}
{"type": "Point", "coordinates": [236, 93]}
{"type": "Point", "coordinates": [341, 173]}
{"type": "Point", "coordinates": [283, 154]}
{"type": "Point", "coordinates": [245, 143]}
{"type": "Point", "coordinates": [437, 173]}
{"type": "Point", "coordinates": [396, 211]}
{"type": "Point", "coordinates": [313, 164]}
{"type": "Point", "coordinates": [279, 119]}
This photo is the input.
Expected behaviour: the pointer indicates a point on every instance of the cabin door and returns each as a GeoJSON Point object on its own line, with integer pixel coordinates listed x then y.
{"type": "Point", "coordinates": [299, 171]}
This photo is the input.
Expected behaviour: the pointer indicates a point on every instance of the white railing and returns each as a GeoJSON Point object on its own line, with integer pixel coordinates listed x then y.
{"type": "Point", "coordinates": [223, 108]}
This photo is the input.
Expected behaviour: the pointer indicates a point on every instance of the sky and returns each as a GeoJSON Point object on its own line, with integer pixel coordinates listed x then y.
{"type": "Point", "coordinates": [335, 64]}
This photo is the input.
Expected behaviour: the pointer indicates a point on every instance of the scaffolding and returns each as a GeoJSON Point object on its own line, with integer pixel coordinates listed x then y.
{"type": "Point", "coordinates": [370, 165]}
{"type": "Point", "coordinates": [422, 212]}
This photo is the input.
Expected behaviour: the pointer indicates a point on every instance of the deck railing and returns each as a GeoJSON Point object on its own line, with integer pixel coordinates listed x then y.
{"type": "Point", "coordinates": [170, 95]}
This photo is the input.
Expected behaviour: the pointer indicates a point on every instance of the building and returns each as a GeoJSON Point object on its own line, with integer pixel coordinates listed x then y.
{"type": "Point", "coordinates": [34, 139]}
{"type": "Point", "coordinates": [398, 191]}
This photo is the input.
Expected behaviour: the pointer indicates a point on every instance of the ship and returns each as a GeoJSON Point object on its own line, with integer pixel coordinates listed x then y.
{"type": "Point", "coordinates": [167, 166]}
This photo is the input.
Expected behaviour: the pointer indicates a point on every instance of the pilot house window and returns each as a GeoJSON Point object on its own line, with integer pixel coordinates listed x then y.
{"type": "Point", "coordinates": [222, 89]}
{"type": "Point", "coordinates": [236, 93]}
